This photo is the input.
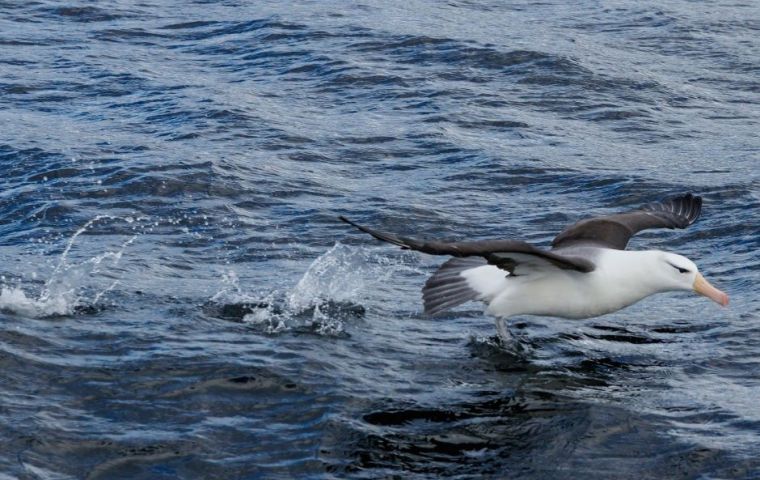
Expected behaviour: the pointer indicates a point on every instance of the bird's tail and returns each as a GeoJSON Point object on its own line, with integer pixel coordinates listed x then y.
{"type": "Point", "coordinates": [448, 288]}
{"type": "Point", "coordinates": [459, 280]}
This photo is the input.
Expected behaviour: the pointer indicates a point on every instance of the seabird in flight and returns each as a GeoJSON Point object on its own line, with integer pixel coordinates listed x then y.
{"type": "Point", "coordinates": [586, 273]}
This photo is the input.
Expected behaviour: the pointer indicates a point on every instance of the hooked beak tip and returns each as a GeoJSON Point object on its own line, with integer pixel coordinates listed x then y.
{"type": "Point", "coordinates": [703, 287]}
{"type": "Point", "coordinates": [722, 300]}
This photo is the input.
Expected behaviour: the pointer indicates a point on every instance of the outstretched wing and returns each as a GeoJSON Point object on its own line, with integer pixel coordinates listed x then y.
{"type": "Point", "coordinates": [614, 231]}
{"type": "Point", "coordinates": [508, 255]}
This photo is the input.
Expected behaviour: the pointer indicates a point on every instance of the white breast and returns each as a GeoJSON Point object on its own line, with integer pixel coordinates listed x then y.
{"type": "Point", "coordinates": [616, 283]}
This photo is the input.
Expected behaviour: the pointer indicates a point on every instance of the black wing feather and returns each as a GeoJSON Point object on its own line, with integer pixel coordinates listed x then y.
{"type": "Point", "coordinates": [496, 252]}
{"type": "Point", "coordinates": [614, 231]}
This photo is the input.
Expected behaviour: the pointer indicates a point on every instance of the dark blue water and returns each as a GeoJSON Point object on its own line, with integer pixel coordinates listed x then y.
{"type": "Point", "coordinates": [179, 300]}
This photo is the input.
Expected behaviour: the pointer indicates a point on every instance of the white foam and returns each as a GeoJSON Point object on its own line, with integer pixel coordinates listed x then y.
{"type": "Point", "coordinates": [15, 300]}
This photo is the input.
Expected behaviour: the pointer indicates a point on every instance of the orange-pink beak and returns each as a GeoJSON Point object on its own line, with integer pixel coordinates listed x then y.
{"type": "Point", "coordinates": [703, 287]}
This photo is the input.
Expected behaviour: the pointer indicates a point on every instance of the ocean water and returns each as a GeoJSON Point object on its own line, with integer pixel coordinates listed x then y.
{"type": "Point", "coordinates": [179, 300]}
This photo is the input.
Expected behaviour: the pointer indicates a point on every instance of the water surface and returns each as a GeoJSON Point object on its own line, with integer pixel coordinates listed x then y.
{"type": "Point", "coordinates": [179, 300]}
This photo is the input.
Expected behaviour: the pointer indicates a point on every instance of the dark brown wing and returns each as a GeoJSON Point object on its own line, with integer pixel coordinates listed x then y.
{"type": "Point", "coordinates": [614, 231]}
{"type": "Point", "coordinates": [505, 254]}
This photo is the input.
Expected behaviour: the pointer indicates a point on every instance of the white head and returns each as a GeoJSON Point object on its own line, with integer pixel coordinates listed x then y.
{"type": "Point", "coordinates": [676, 272]}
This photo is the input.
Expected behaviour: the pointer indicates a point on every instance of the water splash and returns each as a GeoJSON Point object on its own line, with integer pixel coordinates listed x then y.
{"type": "Point", "coordinates": [15, 300]}
{"type": "Point", "coordinates": [337, 275]}
{"type": "Point", "coordinates": [326, 296]}
{"type": "Point", "coordinates": [64, 292]}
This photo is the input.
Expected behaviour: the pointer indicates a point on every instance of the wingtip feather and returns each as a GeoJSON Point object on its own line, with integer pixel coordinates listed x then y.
{"type": "Point", "coordinates": [386, 237]}
{"type": "Point", "coordinates": [686, 207]}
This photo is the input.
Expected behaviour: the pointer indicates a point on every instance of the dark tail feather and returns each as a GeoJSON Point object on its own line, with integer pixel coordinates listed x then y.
{"type": "Point", "coordinates": [446, 288]}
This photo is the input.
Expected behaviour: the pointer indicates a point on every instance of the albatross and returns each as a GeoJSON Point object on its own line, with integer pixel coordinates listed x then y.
{"type": "Point", "coordinates": [587, 272]}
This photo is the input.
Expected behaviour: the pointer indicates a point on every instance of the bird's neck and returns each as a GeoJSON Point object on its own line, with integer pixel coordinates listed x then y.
{"type": "Point", "coordinates": [635, 272]}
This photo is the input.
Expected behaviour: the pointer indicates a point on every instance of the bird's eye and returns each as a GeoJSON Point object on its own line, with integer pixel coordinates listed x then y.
{"type": "Point", "coordinates": [680, 270]}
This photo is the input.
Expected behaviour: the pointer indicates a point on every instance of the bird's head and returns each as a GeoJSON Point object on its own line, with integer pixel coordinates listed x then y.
{"type": "Point", "coordinates": [677, 272]}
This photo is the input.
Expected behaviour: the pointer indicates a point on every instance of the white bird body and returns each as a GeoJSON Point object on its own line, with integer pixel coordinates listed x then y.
{"type": "Point", "coordinates": [621, 278]}
{"type": "Point", "coordinates": [586, 273]}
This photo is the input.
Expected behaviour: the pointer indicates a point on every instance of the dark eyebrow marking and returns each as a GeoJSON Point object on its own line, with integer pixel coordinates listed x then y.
{"type": "Point", "coordinates": [681, 270]}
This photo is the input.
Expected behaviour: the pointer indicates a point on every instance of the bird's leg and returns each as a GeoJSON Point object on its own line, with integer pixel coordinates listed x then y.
{"type": "Point", "coordinates": [508, 342]}
{"type": "Point", "coordinates": [503, 329]}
